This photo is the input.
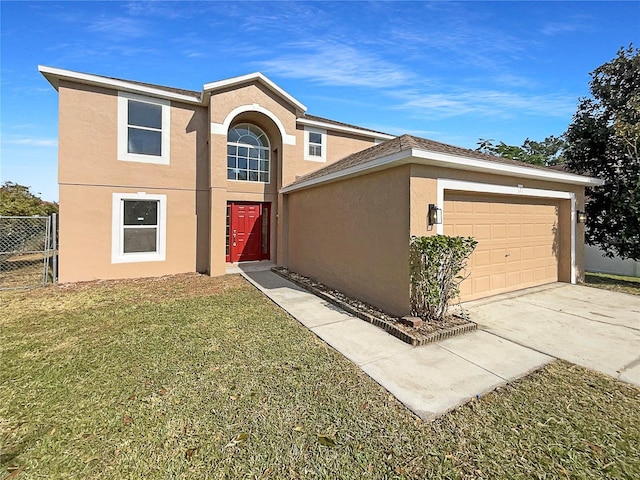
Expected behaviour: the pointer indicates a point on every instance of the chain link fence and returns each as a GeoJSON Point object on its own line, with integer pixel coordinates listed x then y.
{"type": "Point", "coordinates": [28, 254]}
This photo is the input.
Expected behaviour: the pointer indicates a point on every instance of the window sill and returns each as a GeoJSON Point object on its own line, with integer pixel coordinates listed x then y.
{"type": "Point", "coordinates": [138, 258]}
{"type": "Point", "coordinates": [316, 159]}
{"type": "Point", "coordinates": [135, 157]}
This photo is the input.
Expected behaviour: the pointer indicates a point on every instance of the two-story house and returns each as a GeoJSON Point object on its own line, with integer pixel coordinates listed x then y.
{"type": "Point", "coordinates": [157, 180]}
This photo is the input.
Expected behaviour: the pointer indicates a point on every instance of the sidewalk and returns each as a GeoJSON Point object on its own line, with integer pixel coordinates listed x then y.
{"type": "Point", "coordinates": [429, 380]}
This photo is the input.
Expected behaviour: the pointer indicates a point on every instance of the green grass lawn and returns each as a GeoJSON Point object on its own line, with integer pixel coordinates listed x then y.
{"type": "Point", "coordinates": [198, 377]}
{"type": "Point", "coordinates": [617, 283]}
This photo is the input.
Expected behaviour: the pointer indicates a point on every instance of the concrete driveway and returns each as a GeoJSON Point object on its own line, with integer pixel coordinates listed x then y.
{"type": "Point", "coordinates": [595, 328]}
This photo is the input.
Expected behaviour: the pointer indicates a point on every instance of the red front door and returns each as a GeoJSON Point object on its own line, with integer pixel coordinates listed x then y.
{"type": "Point", "coordinates": [248, 232]}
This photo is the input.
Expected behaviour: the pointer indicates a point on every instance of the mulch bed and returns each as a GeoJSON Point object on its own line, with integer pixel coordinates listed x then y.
{"type": "Point", "coordinates": [427, 332]}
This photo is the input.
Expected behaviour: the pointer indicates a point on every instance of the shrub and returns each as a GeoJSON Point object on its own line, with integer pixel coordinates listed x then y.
{"type": "Point", "coordinates": [434, 264]}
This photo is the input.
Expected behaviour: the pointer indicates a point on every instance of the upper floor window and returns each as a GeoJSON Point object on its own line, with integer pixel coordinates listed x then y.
{"type": "Point", "coordinates": [315, 144]}
{"type": "Point", "coordinates": [248, 154]}
{"type": "Point", "coordinates": [143, 129]}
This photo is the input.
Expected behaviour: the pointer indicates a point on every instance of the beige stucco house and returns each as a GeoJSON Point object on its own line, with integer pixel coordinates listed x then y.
{"type": "Point", "coordinates": [157, 180]}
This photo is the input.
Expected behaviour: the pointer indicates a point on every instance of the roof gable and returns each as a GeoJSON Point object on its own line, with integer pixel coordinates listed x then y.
{"type": "Point", "coordinates": [55, 75]}
{"type": "Point", "coordinates": [252, 78]}
{"type": "Point", "coordinates": [409, 149]}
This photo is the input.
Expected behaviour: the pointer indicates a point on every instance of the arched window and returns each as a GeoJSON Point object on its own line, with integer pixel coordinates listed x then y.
{"type": "Point", "coordinates": [247, 154]}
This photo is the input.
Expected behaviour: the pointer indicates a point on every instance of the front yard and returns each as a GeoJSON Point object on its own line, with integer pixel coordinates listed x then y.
{"type": "Point", "coordinates": [198, 377]}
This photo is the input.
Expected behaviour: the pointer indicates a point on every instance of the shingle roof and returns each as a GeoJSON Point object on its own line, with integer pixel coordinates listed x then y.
{"type": "Point", "coordinates": [342, 124]}
{"type": "Point", "coordinates": [180, 91]}
{"type": "Point", "coordinates": [401, 144]}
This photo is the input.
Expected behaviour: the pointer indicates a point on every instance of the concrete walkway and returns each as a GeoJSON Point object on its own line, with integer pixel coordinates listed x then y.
{"type": "Point", "coordinates": [429, 380]}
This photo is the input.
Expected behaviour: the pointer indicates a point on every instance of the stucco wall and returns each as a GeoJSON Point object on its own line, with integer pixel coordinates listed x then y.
{"type": "Point", "coordinates": [86, 231]}
{"type": "Point", "coordinates": [339, 145]}
{"type": "Point", "coordinates": [89, 172]}
{"type": "Point", "coordinates": [354, 236]}
{"type": "Point", "coordinates": [223, 103]}
{"type": "Point", "coordinates": [88, 140]}
{"type": "Point", "coordinates": [287, 160]}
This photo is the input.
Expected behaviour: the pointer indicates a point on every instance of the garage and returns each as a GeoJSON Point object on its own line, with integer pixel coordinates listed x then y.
{"type": "Point", "coordinates": [350, 224]}
{"type": "Point", "coordinates": [518, 240]}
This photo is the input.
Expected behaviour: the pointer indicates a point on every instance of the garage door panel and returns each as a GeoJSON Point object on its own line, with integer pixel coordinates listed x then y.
{"type": "Point", "coordinates": [498, 256]}
{"type": "Point", "coordinates": [527, 253]}
{"type": "Point", "coordinates": [499, 208]}
{"type": "Point", "coordinates": [514, 279]}
{"type": "Point", "coordinates": [528, 230]}
{"type": "Point", "coordinates": [498, 281]}
{"type": "Point", "coordinates": [481, 208]}
{"type": "Point", "coordinates": [462, 208]}
{"type": "Point", "coordinates": [482, 230]}
{"type": "Point", "coordinates": [542, 230]}
{"type": "Point", "coordinates": [482, 284]}
{"type": "Point", "coordinates": [514, 231]}
{"type": "Point", "coordinates": [540, 274]}
{"type": "Point", "coordinates": [526, 275]}
{"type": "Point", "coordinates": [543, 251]}
{"type": "Point", "coordinates": [482, 258]}
{"type": "Point", "coordinates": [499, 231]}
{"type": "Point", "coordinates": [516, 238]}
{"type": "Point", "coordinates": [465, 230]}
{"type": "Point", "coordinates": [515, 255]}
{"type": "Point", "coordinates": [514, 209]}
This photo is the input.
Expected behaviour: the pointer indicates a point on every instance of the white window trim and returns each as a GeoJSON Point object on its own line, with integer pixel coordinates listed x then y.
{"type": "Point", "coordinates": [267, 149]}
{"type": "Point", "coordinates": [519, 190]}
{"type": "Point", "coordinates": [123, 132]}
{"type": "Point", "coordinates": [223, 128]}
{"type": "Point", "coordinates": [117, 229]}
{"type": "Point", "coordinates": [315, 158]}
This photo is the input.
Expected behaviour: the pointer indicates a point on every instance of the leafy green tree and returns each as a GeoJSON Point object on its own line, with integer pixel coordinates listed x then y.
{"type": "Point", "coordinates": [603, 141]}
{"type": "Point", "coordinates": [547, 152]}
{"type": "Point", "coordinates": [17, 200]}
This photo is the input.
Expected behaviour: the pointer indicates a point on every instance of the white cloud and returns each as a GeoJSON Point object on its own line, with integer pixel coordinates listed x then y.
{"type": "Point", "coordinates": [401, 130]}
{"type": "Point", "coordinates": [338, 65]}
{"type": "Point", "coordinates": [572, 25]}
{"type": "Point", "coordinates": [118, 27]}
{"type": "Point", "coordinates": [32, 142]}
{"type": "Point", "coordinates": [491, 103]}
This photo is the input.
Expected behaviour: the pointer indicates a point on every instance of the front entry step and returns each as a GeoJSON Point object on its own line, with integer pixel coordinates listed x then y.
{"type": "Point", "coordinates": [232, 268]}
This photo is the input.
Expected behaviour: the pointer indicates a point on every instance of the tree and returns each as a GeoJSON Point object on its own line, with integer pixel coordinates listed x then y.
{"type": "Point", "coordinates": [17, 200]}
{"type": "Point", "coordinates": [603, 141]}
{"type": "Point", "coordinates": [547, 152]}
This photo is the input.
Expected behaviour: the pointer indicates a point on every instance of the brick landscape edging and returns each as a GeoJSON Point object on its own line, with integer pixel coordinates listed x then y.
{"type": "Point", "coordinates": [415, 340]}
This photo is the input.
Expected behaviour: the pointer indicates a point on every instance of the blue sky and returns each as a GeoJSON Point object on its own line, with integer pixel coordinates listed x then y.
{"type": "Point", "coordinates": [448, 71]}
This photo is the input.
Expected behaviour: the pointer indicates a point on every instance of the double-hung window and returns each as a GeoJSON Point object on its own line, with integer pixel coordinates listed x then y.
{"type": "Point", "coordinates": [315, 144]}
{"type": "Point", "coordinates": [138, 228]}
{"type": "Point", "coordinates": [143, 129]}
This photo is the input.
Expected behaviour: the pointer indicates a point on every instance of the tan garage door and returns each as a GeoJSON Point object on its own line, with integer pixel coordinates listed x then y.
{"type": "Point", "coordinates": [517, 241]}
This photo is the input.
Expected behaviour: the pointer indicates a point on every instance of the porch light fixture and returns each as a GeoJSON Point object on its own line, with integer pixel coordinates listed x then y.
{"type": "Point", "coordinates": [434, 215]}
{"type": "Point", "coordinates": [581, 217]}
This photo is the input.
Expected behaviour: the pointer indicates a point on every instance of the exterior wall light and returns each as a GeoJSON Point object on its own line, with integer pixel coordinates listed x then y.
{"type": "Point", "coordinates": [581, 216]}
{"type": "Point", "coordinates": [434, 215]}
